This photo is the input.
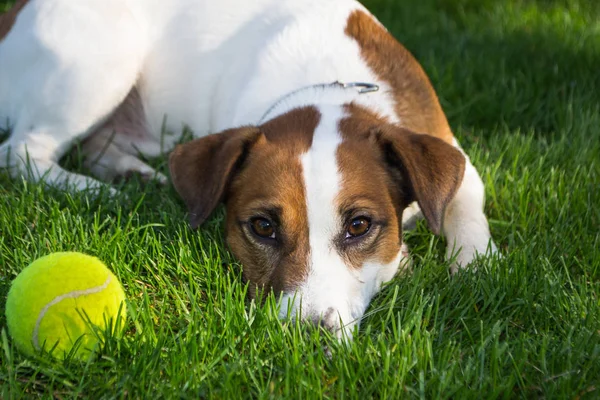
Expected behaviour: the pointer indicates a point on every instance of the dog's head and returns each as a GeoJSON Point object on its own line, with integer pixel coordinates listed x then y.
{"type": "Point", "coordinates": [314, 202]}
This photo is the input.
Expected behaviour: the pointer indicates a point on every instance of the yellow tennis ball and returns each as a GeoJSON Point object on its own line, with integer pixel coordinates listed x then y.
{"type": "Point", "coordinates": [60, 300]}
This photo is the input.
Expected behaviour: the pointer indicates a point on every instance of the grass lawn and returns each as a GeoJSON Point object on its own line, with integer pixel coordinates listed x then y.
{"type": "Point", "coordinates": [520, 82]}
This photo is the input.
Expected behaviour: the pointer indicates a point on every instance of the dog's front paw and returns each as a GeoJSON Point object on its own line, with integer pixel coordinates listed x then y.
{"type": "Point", "coordinates": [466, 254]}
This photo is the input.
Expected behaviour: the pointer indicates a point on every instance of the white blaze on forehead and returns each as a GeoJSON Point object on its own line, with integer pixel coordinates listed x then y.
{"type": "Point", "coordinates": [322, 178]}
{"type": "Point", "coordinates": [331, 284]}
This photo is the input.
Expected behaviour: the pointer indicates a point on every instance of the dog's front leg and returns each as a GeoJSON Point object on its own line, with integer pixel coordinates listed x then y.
{"type": "Point", "coordinates": [465, 225]}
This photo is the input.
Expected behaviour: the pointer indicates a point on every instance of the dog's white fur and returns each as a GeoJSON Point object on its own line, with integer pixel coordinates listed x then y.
{"type": "Point", "coordinates": [209, 65]}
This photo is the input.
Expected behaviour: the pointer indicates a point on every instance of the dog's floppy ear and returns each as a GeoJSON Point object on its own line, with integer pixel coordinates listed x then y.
{"type": "Point", "coordinates": [431, 170]}
{"type": "Point", "coordinates": [202, 169]}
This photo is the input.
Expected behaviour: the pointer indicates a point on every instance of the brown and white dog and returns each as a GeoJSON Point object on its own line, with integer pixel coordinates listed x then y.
{"type": "Point", "coordinates": [317, 170]}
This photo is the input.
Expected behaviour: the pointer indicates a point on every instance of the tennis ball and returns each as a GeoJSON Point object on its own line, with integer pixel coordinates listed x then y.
{"type": "Point", "coordinates": [58, 302]}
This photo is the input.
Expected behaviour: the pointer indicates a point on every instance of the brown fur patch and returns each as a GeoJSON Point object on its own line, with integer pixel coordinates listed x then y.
{"type": "Point", "coordinates": [417, 105]}
{"type": "Point", "coordinates": [431, 169]}
{"type": "Point", "coordinates": [8, 19]}
{"type": "Point", "coordinates": [366, 191]}
{"type": "Point", "coordinates": [201, 169]}
{"type": "Point", "coordinates": [257, 172]}
{"type": "Point", "coordinates": [419, 167]}
{"type": "Point", "coordinates": [271, 185]}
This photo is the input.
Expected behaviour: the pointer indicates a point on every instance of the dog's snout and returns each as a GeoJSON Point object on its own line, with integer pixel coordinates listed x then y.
{"type": "Point", "coordinates": [327, 320]}
{"type": "Point", "coordinates": [336, 318]}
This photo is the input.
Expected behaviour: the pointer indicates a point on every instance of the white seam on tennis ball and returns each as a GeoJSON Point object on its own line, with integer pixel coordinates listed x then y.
{"type": "Point", "coordinates": [58, 299]}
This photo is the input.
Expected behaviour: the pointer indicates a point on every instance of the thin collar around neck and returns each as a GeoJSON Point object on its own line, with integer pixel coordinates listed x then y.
{"type": "Point", "coordinates": [340, 91]}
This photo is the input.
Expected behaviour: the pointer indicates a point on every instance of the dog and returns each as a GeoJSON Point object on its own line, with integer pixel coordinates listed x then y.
{"type": "Point", "coordinates": [320, 133]}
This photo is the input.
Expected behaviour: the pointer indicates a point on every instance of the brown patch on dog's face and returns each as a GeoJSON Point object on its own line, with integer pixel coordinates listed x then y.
{"type": "Point", "coordinates": [368, 202]}
{"type": "Point", "coordinates": [417, 105]}
{"type": "Point", "coordinates": [266, 226]}
{"type": "Point", "coordinates": [418, 167]}
{"type": "Point", "coordinates": [8, 19]}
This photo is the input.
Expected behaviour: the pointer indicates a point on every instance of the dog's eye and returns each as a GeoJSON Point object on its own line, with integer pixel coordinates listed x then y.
{"type": "Point", "coordinates": [358, 227]}
{"type": "Point", "coordinates": [262, 227]}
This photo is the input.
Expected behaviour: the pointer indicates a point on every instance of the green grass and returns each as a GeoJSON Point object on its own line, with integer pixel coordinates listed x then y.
{"type": "Point", "coordinates": [520, 83]}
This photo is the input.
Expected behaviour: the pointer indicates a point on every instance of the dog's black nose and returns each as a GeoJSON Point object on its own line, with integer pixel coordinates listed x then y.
{"type": "Point", "coordinates": [326, 320]}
